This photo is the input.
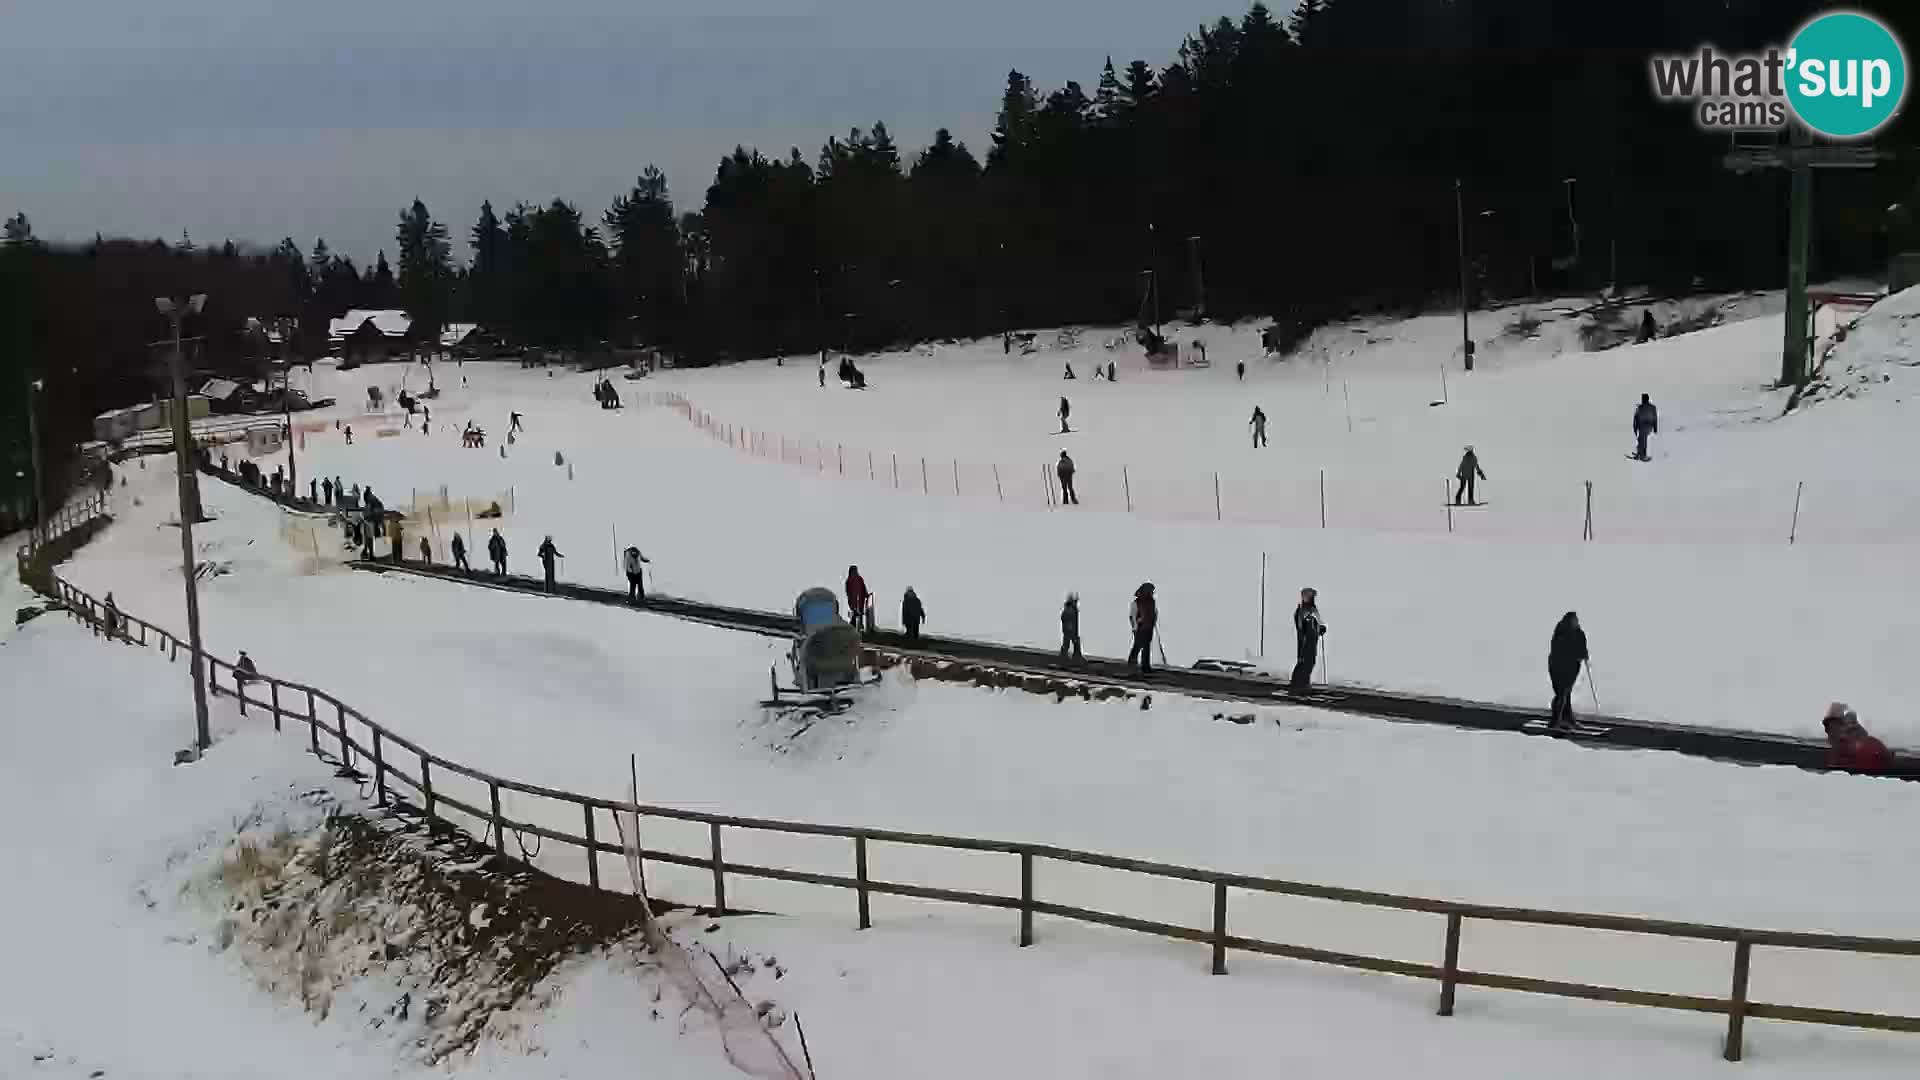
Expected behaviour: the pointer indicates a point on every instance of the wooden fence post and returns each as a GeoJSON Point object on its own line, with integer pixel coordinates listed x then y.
{"type": "Point", "coordinates": [1794, 531]}
{"type": "Point", "coordinates": [1219, 928]}
{"type": "Point", "coordinates": [1126, 485]}
{"type": "Point", "coordinates": [719, 871]}
{"type": "Point", "coordinates": [1450, 965]}
{"type": "Point", "coordinates": [593, 853]}
{"type": "Point", "coordinates": [925, 488]}
{"type": "Point", "coordinates": [997, 493]}
{"type": "Point", "coordinates": [1026, 899]}
{"type": "Point", "coordinates": [346, 748]}
{"type": "Point", "coordinates": [379, 772]}
{"type": "Point", "coordinates": [1216, 495]}
{"type": "Point", "coordinates": [860, 879]}
{"type": "Point", "coordinates": [1737, 1005]}
{"type": "Point", "coordinates": [426, 786]}
{"type": "Point", "coordinates": [499, 830]}
{"type": "Point", "coordinates": [896, 472]}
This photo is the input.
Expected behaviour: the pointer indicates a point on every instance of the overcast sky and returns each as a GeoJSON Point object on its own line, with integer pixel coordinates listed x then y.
{"type": "Point", "coordinates": [257, 119]}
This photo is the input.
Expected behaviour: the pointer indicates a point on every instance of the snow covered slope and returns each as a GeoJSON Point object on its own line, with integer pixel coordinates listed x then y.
{"type": "Point", "coordinates": [1698, 609]}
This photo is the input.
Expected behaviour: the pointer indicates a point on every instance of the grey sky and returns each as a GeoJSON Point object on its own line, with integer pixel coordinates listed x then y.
{"type": "Point", "coordinates": [254, 119]}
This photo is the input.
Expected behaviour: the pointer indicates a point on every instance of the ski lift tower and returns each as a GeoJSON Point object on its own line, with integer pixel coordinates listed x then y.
{"type": "Point", "coordinates": [1753, 151]}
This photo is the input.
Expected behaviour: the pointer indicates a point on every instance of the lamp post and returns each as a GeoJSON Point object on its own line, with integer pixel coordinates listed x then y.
{"type": "Point", "coordinates": [1460, 217]}
{"type": "Point", "coordinates": [34, 387]}
{"type": "Point", "coordinates": [184, 456]}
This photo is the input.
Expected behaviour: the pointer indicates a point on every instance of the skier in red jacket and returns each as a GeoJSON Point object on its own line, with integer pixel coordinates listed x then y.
{"type": "Point", "coordinates": [1849, 745]}
{"type": "Point", "coordinates": [859, 600]}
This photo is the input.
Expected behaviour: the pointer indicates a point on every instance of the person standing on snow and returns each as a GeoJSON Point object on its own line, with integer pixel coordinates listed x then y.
{"type": "Point", "coordinates": [113, 617]}
{"type": "Point", "coordinates": [497, 551]}
{"type": "Point", "coordinates": [1259, 423]}
{"type": "Point", "coordinates": [1065, 408]}
{"type": "Point", "coordinates": [1240, 370]}
{"type": "Point", "coordinates": [313, 491]}
{"type": "Point", "coordinates": [459, 549]}
{"type": "Point", "coordinates": [1070, 627]}
{"type": "Point", "coordinates": [1646, 421]}
{"type": "Point", "coordinates": [1144, 617]}
{"type": "Point", "coordinates": [859, 600]}
{"type": "Point", "coordinates": [548, 553]}
{"type": "Point", "coordinates": [632, 560]}
{"type": "Point", "coordinates": [1564, 658]}
{"type": "Point", "coordinates": [1307, 632]}
{"type": "Point", "coordinates": [1467, 472]}
{"type": "Point", "coordinates": [1065, 468]}
{"type": "Point", "coordinates": [513, 423]}
{"type": "Point", "coordinates": [1850, 747]}
{"type": "Point", "coordinates": [912, 614]}
{"type": "Point", "coordinates": [426, 552]}
{"type": "Point", "coordinates": [823, 373]}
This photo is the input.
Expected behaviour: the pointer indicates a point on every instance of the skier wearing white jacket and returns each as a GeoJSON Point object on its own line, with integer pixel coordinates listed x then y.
{"type": "Point", "coordinates": [633, 561]}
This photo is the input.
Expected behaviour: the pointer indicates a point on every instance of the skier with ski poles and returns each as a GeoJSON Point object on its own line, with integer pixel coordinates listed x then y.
{"type": "Point", "coordinates": [1468, 471]}
{"type": "Point", "coordinates": [1307, 632]}
{"type": "Point", "coordinates": [1565, 657]}
{"type": "Point", "coordinates": [632, 560]}
{"type": "Point", "coordinates": [1144, 617]}
{"type": "Point", "coordinates": [548, 553]}
{"type": "Point", "coordinates": [912, 614]}
{"type": "Point", "coordinates": [459, 549]}
{"type": "Point", "coordinates": [1259, 424]}
{"type": "Point", "coordinates": [497, 551]}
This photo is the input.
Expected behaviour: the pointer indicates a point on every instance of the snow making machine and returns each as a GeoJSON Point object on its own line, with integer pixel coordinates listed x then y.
{"type": "Point", "coordinates": [825, 657]}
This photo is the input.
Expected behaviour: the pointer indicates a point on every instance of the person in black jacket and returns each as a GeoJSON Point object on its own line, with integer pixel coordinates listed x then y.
{"type": "Point", "coordinates": [459, 549]}
{"type": "Point", "coordinates": [1145, 618]}
{"type": "Point", "coordinates": [1467, 473]}
{"type": "Point", "coordinates": [1646, 421]}
{"type": "Point", "coordinates": [1068, 497]}
{"type": "Point", "coordinates": [497, 551]}
{"type": "Point", "coordinates": [1307, 632]}
{"type": "Point", "coordinates": [912, 614]}
{"type": "Point", "coordinates": [1564, 659]}
{"type": "Point", "coordinates": [1070, 627]}
{"type": "Point", "coordinates": [548, 553]}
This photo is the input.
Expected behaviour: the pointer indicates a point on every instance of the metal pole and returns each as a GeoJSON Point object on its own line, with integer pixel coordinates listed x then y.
{"type": "Point", "coordinates": [1460, 217]}
{"type": "Point", "coordinates": [189, 510]}
{"type": "Point", "coordinates": [1793, 361]}
{"type": "Point", "coordinates": [33, 436]}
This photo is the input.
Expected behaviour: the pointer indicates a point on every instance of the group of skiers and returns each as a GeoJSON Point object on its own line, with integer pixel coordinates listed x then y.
{"type": "Point", "coordinates": [605, 394]}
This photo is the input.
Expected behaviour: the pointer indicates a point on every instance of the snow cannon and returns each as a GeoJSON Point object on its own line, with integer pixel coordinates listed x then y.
{"type": "Point", "coordinates": [825, 657]}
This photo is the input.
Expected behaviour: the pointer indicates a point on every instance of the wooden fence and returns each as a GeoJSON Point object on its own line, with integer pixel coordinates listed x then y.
{"type": "Point", "coordinates": [403, 775]}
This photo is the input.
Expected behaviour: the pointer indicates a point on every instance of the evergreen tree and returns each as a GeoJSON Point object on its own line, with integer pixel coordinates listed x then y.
{"type": "Point", "coordinates": [381, 291]}
{"type": "Point", "coordinates": [426, 270]}
{"type": "Point", "coordinates": [1107, 95]}
{"type": "Point", "coordinates": [645, 240]}
{"type": "Point", "coordinates": [1013, 131]}
{"type": "Point", "coordinates": [487, 287]}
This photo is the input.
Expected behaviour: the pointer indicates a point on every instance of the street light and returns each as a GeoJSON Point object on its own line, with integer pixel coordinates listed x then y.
{"type": "Point", "coordinates": [34, 387]}
{"type": "Point", "coordinates": [184, 461]}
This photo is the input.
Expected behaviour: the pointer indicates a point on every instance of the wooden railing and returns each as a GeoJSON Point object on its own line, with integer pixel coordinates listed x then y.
{"type": "Point", "coordinates": [342, 734]}
{"type": "Point", "coordinates": [65, 520]}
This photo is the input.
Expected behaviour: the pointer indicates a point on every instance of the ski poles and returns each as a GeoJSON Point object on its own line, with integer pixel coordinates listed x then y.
{"type": "Point", "coordinates": [1590, 689]}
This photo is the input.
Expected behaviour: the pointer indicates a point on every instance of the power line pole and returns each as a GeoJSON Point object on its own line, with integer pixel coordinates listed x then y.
{"type": "Point", "coordinates": [1793, 361]}
{"type": "Point", "coordinates": [184, 459]}
{"type": "Point", "coordinates": [34, 386]}
{"type": "Point", "coordinates": [1460, 217]}
{"type": "Point", "coordinates": [1199, 280]}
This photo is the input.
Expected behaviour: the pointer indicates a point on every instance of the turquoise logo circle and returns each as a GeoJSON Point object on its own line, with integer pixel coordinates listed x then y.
{"type": "Point", "coordinates": [1847, 75]}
